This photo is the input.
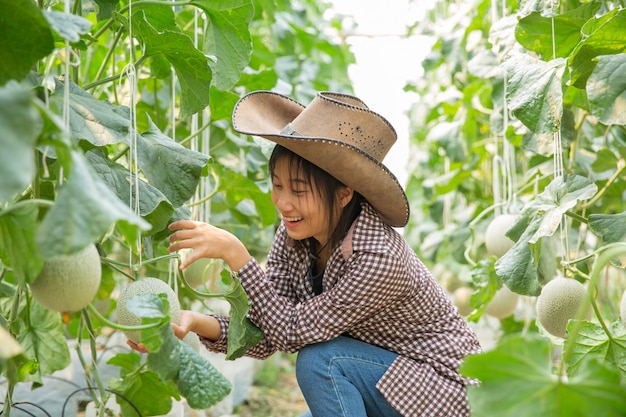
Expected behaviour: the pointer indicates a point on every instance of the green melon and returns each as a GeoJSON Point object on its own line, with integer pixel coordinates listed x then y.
{"type": "Point", "coordinates": [68, 283]}
{"type": "Point", "coordinates": [496, 242]}
{"type": "Point", "coordinates": [203, 271]}
{"type": "Point", "coordinates": [461, 299]}
{"type": "Point", "coordinates": [502, 304]}
{"type": "Point", "coordinates": [560, 301]}
{"type": "Point", "coordinates": [140, 287]}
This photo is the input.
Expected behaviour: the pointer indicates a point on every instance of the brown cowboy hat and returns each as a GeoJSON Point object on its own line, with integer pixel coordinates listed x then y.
{"type": "Point", "coordinates": [336, 132]}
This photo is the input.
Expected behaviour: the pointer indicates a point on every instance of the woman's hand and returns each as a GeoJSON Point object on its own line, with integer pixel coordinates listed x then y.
{"type": "Point", "coordinates": [190, 321]}
{"type": "Point", "coordinates": [207, 241]}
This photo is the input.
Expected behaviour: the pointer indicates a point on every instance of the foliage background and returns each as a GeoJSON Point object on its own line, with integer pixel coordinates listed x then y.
{"type": "Point", "coordinates": [521, 111]}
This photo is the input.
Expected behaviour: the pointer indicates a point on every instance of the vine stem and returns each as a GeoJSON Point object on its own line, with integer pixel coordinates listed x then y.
{"type": "Point", "coordinates": [603, 256]}
{"type": "Point", "coordinates": [117, 326]}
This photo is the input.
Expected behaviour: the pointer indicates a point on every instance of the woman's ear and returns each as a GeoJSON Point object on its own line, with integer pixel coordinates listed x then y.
{"type": "Point", "coordinates": [345, 195]}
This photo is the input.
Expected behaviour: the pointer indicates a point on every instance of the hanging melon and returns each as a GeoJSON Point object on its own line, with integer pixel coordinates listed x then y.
{"type": "Point", "coordinates": [67, 283]}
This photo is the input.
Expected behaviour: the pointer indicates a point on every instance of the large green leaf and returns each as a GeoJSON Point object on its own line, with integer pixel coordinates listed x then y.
{"type": "Point", "coordinates": [85, 209]}
{"type": "Point", "coordinates": [169, 166]}
{"type": "Point", "coordinates": [156, 28]}
{"type": "Point", "coordinates": [606, 89]}
{"type": "Point", "coordinates": [605, 35]}
{"type": "Point", "coordinates": [610, 227]}
{"type": "Point", "coordinates": [516, 381]}
{"type": "Point", "coordinates": [97, 121]}
{"type": "Point", "coordinates": [154, 207]}
{"type": "Point", "coordinates": [142, 388]}
{"type": "Point", "coordinates": [540, 33]}
{"type": "Point", "coordinates": [519, 267]}
{"type": "Point", "coordinates": [535, 93]}
{"type": "Point", "coordinates": [69, 26]}
{"type": "Point", "coordinates": [42, 336]}
{"type": "Point", "coordinates": [26, 38]}
{"type": "Point", "coordinates": [592, 341]}
{"type": "Point", "coordinates": [242, 333]}
{"type": "Point", "coordinates": [17, 237]}
{"type": "Point", "coordinates": [227, 38]}
{"type": "Point", "coordinates": [20, 123]}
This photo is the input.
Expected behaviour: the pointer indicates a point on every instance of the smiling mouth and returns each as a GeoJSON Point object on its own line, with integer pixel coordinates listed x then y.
{"type": "Point", "coordinates": [292, 219]}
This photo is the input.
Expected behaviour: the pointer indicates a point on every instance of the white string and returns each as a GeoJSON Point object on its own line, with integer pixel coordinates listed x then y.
{"type": "Point", "coordinates": [133, 167]}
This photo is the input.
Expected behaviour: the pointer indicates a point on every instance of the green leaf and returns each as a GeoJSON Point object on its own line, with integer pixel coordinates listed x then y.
{"type": "Point", "coordinates": [539, 33]}
{"type": "Point", "coordinates": [154, 207]}
{"type": "Point", "coordinates": [84, 210]}
{"type": "Point", "coordinates": [535, 93]}
{"type": "Point", "coordinates": [227, 38]}
{"type": "Point", "coordinates": [605, 35]}
{"type": "Point", "coordinates": [26, 38]}
{"type": "Point", "coordinates": [175, 361]}
{"type": "Point", "coordinates": [236, 188]}
{"type": "Point", "coordinates": [43, 337]}
{"type": "Point", "coordinates": [141, 388]}
{"type": "Point", "coordinates": [20, 123]}
{"type": "Point", "coordinates": [519, 268]}
{"type": "Point", "coordinates": [169, 166]}
{"type": "Point", "coordinates": [106, 8]}
{"type": "Point", "coordinates": [610, 227]}
{"type": "Point", "coordinates": [17, 237]}
{"type": "Point", "coordinates": [606, 89]}
{"type": "Point", "coordinates": [198, 381]}
{"type": "Point", "coordinates": [561, 195]}
{"type": "Point", "coordinates": [156, 29]}
{"type": "Point", "coordinates": [485, 283]}
{"type": "Point", "coordinates": [605, 161]}
{"type": "Point", "coordinates": [516, 381]}
{"type": "Point", "coordinates": [593, 342]}
{"type": "Point", "coordinates": [96, 121]}
{"type": "Point", "coordinates": [242, 333]}
{"type": "Point", "coordinates": [68, 26]}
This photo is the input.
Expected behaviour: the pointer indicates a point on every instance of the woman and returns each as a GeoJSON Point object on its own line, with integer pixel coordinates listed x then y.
{"type": "Point", "coordinates": [376, 334]}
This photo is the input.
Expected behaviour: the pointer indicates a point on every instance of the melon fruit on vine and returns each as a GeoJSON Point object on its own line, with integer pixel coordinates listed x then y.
{"type": "Point", "coordinates": [560, 301]}
{"type": "Point", "coordinates": [67, 283]}
{"type": "Point", "coordinates": [496, 242]}
{"type": "Point", "coordinates": [143, 286]}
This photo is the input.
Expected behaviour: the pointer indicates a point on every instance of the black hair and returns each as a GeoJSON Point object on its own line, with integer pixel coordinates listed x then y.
{"type": "Point", "coordinates": [327, 186]}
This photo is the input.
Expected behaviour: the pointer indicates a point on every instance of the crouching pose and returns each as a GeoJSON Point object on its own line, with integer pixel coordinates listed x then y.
{"type": "Point", "coordinates": [375, 333]}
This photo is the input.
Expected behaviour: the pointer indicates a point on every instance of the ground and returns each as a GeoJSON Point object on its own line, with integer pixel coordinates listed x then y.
{"type": "Point", "coordinates": [275, 392]}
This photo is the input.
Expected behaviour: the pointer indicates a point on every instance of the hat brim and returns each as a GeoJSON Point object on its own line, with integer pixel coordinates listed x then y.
{"type": "Point", "coordinates": [266, 114]}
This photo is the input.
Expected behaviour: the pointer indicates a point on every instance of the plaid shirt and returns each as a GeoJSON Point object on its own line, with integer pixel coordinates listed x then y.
{"type": "Point", "coordinates": [375, 290]}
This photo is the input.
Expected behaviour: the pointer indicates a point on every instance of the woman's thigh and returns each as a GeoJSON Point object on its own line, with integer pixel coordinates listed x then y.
{"type": "Point", "coordinates": [338, 378]}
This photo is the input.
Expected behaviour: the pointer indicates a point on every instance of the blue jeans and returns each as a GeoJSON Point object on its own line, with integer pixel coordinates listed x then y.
{"type": "Point", "coordinates": [338, 378]}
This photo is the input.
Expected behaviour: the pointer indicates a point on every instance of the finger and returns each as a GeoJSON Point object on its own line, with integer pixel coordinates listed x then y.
{"type": "Point", "coordinates": [182, 224]}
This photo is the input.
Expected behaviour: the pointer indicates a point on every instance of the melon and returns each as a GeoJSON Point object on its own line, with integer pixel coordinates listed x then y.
{"type": "Point", "coordinates": [143, 286]}
{"type": "Point", "coordinates": [496, 242]}
{"type": "Point", "coordinates": [67, 283]}
{"type": "Point", "coordinates": [559, 302]}
{"type": "Point", "coordinates": [203, 271]}
{"type": "Point", "coordinates": [502, 304]}
{"type": "Point", "coordinates": [461, 299]}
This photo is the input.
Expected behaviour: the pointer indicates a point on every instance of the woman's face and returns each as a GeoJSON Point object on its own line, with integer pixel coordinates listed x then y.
{"type": "Point", "coordinates": [300, 206]}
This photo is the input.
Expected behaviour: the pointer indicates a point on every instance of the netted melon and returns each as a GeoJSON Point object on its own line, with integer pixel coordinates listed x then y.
{"type": "Point", "coordinates": [67, 283]}
{"type": "Point", "coordinates": [560, 301]}
{"type": "Point", "coordinates": [140, 287]}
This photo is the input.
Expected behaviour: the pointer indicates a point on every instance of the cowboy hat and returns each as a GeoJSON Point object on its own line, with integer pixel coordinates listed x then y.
{"type": "Point", "coordinates": [337, 133]}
